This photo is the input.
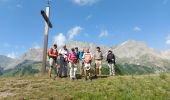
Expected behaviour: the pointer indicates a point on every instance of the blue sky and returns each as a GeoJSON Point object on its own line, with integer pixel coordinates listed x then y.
{"type": "Point", "coordinates": [108, 22]}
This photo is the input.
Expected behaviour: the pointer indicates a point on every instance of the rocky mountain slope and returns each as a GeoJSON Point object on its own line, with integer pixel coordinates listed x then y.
{"type": "Point", "coordinates": [139, 53]}
{"type": "Point", "coordinates": [33, 55]}
{"type": "Point", "coordinates": [5, 61]}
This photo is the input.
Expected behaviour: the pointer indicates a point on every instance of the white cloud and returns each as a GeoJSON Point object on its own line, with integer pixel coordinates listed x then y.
{"type": "Point", "coordinates": [73, 32]}
{"type": "Point", "coordinates": [12, 55]}
{"type": "Point", "coordinates": [84, 2]}
{"type": "Point", "coordinates": [60, 39]}
{"type": "Point", "coordinates": [104, 34]}
{"type": "Point", "coordinates": [168, 40]}
{"type": "Point", "coordinates": [137, 29]}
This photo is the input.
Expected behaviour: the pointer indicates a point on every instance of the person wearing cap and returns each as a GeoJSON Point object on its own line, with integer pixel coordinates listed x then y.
{"type": "Point", "coordinates": [53, 54]}
{"type": "Point", "coordinates": [98, 56]}
{"type": "Point", "coordinates": [111, 62]}
{"type": "Point", "coordinates": [63, 53]}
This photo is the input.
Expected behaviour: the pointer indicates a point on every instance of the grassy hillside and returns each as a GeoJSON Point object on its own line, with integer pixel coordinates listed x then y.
{"type": "Point", "coordinates": [147, 87]}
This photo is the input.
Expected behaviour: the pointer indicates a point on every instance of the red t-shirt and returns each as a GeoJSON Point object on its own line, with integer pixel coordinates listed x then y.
{"type": "Point", "coordinates": [53, 53]}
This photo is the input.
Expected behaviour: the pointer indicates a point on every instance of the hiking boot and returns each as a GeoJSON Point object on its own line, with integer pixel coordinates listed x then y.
{"type": "Point", "coordinates": [90, 78]}
{"type": "Point", "coordinates": [65, 76]}
{"type": "Point", "coordinates": [72, 78]}
{"type": "Point", "coordinates": [96, 76]}
{"type": "Point", "coordinates": [85, 78]}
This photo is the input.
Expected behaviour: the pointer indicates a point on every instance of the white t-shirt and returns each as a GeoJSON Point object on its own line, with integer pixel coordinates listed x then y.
{"type": "Point", "coordinates": [63, 52]}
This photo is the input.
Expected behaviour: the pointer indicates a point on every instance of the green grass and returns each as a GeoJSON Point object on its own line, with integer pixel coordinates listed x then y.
{"type": "Point", "coordinates": [146, 87]}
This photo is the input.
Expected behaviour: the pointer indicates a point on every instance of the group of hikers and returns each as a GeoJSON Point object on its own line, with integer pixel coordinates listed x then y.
{"type": "Point", "coordinates": [59, 60]}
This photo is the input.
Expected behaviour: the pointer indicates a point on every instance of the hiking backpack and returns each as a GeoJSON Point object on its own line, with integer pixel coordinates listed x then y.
{"type": "Point", "coordinates": [52, 51]}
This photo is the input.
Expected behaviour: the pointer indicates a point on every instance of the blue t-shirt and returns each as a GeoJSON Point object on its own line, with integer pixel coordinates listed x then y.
{"type": "Point", "coordinates": [80, 55]}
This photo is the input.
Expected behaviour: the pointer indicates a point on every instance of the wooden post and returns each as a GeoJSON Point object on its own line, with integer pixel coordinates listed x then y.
{"type": "Point", "coordinates": [43, 69]}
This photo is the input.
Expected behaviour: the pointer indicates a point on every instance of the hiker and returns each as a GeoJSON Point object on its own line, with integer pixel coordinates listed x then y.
{"type": "Point", "coordinates": [53, 54]}
{"type": "Point", "coordinates": [77, 55]}
{"type": "Point", "coordinates": [98, 56]}
{"type": "Point", "coordinates": [87, 58]}
{"type": "Point", "coordinates": [63, 61]}
{"type": "Point", "coordinates": [72, 58]}
{"type": "Point", "coordinates": [77, 52]}
{"type": "Point", "coordinates": [81, 62]}
{"type": "Point", "coordinates": [111, 62]}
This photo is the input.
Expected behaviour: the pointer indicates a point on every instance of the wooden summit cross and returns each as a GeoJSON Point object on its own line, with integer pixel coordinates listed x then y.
{"type": "Point", "coordinates": [46, 15]}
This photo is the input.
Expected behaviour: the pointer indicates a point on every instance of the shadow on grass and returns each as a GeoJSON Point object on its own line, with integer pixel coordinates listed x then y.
{"type": "Point", "coordinates": [78, 76]}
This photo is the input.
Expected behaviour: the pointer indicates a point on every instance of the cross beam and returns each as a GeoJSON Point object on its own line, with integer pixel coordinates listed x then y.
{"type": "Point", "coordinates": [46, 18]}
